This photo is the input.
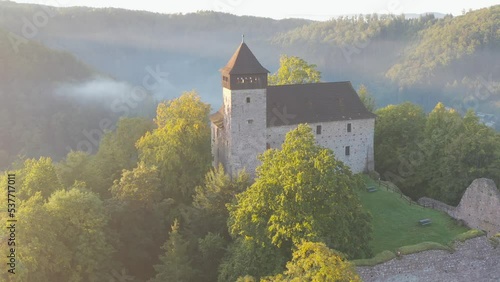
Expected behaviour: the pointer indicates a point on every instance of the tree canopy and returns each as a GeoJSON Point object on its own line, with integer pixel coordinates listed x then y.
{"type": "Point", "coordinates": [316, 262]}
{"type": "Point", "coordinates": [436, 155]}
{"type": "Point", "coordinates": [294, 70]}
{"type": "Point", "coordinates": [303, 193]}
{"type": "Point", "coordinates": [175, 263]}
{"type": "Point", "coordinates": [180, 145]}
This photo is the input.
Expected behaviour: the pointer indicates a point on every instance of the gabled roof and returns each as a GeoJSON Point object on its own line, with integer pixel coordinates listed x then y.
{"type": "Point", "coordinates": [314, 102]}
{"type": "Point", "coordinates": [217, 118]}
{"type": "Point", "coordinates": [243, 61]}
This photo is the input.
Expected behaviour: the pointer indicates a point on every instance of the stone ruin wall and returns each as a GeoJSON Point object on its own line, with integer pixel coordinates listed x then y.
{"type": "Point", "coordinates": [479, 207]}
{"type": "Point", "coordinates": [437, 205]}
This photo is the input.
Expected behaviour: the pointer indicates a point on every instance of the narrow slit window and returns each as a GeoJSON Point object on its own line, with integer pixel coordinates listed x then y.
{"type": "Point", "coordinates": [349, 127]}
{"type": "Point", "coordinates": [348, 150]}
{"type": "Point", "coordinates": [248, 99]}
{"type": "Point", "coordinates": [318, 129]}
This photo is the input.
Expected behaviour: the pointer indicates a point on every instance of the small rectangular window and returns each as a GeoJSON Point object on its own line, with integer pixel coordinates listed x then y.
{"type": "Point", "coordinates": [348, 127]}
{"type": "Point", "coordinates": [318, 129]}
{"type": "Point", "coordinates": [347, 150]}
{"type": "Point", "coordinates": [250, 121]}
{"type": "Point", "coordinates": [248, 99]}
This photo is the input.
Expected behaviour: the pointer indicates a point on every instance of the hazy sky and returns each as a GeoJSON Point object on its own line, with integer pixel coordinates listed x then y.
{"type": "Point", "coordinates": [278, 9]}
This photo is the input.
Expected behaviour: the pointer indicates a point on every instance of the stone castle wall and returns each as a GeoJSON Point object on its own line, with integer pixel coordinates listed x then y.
{"type": "Point", "coordinates": [437, 205]}
{"type": "Point", "coordinates": [334, 135]}
{"type": "Point", "coordinates": [245, 126]}
{"type": "Point", "coordinates": [479, 207]}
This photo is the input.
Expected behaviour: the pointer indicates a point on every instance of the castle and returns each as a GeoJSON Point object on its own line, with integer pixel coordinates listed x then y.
{"type": "Point", "coordinates": [255, 116]}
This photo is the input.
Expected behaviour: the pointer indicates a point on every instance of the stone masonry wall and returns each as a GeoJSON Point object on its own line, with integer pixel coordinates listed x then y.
{"type": "Point", "coordinates": [246, 127]}
{"type": "Point", "coordinates": [480, 206]}
{"type": "Point", "coordinates": [334, 135]}
{"type": "Point", "coordinates": [437, 205]}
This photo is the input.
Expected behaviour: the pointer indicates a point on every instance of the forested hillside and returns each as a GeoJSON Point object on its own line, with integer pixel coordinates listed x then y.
{"type": "Point", "coordinates": [34, 122]}
{"type": "Point", "coordinates": [138, 199]}
{"type": "Point", "coordinates": [41, 111]}
{"type": "Point", "coordinates": [424, 60]}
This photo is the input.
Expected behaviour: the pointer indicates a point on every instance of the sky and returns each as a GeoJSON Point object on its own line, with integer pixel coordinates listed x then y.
{"type": "Point", "coordinates": [279, 9]}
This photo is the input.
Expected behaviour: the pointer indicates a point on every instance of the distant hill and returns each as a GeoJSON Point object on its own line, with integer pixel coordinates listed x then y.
{"type": "Point", "coordinates": [457, 56]}
{"type": "Point", "coordinates": [423, 59]}
{"type": "Point", "coordinates": [416, 16]}
{"type": "Point", "coordinates": [42, 112]}
{"type": "Point", "coordinates": [189, 49]}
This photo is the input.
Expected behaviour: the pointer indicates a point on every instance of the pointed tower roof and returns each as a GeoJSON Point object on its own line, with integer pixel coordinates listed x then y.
{"type": "Point", "coordinates": [243, 61]}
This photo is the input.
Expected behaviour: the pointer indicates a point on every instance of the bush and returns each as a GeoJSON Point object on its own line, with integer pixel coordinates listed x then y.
{"type": "Point", "coordinates": [473, 233]}
{"type": "Point", "coordinates": [424, 246]}
{"type": "Point", "coordinates": [381, 257]}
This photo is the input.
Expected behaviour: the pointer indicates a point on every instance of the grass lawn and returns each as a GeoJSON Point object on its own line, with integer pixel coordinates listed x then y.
{"type": "Point", "coordinates": [395, 221]}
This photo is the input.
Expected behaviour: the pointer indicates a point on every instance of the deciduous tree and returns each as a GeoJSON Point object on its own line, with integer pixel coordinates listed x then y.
{"type": "Point", "coordinates": [366, 98]}
{"type": "Point", "coordinates": [39, 176]}
{"type": "Point", "coordinates": [180, 146]}
{"type": "Point", "coordinates": [316, 262]}
{"type": "Point", "coordinates": [294, 70]}
{"type": "Point", "coordinates": [303, 193]}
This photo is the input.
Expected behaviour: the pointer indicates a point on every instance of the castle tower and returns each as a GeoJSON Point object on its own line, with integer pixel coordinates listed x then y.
{"type": "Point", "coordinates": [239, 128]}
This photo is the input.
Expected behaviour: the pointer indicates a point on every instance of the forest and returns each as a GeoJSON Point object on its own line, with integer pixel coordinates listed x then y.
{"type": "Point", "coordinates": [115, 173]}
{"type": "Point", "coordinates": [92, 71]}
{"type": "Point", "coordinates": [148, 205]}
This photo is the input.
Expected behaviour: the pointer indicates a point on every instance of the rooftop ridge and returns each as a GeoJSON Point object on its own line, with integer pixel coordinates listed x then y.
{"type": "Point", "coordinates": [243, 61]}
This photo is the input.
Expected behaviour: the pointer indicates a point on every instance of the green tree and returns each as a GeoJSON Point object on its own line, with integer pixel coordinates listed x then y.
{"type": "Point", "coordinates": [399, 133]}
{"type": "Point", "coordinates": [459, 150]}
{"type": "Point", "coordinates": [443, 126]}
{"type": "Point", "coordinates": [247, 257]}
{"type": "Point", "coordinates": [303, 193]}
{"type": "Point", "coordinates": [139, 187]}
{"type": "Point", "coordinates": [175, 263]}
{"type": "Point", "coordinates": [41, 253]}
{"type": "Point", "coordinates": [79, 166]}
{"type": "Point", "coordinates": [180, 146]}
{"type": "Point", "coordinates": [218, 191]}
{"type": "Point", "coordinates": [294, 70]}
{"type": "Point", "coordinates": [39, 176]}
{"type": "Point", "coordinates": [117, 151]}
{"type": "Point", "coordinates": [366, 98]}
{"type": "Point", "coordinates": [212, 248]}
{"type": "Point", "coordinates": [316, 262]}
{"type": "Point", "coordinates": [62, 238]}
{"type": "Point", "coordinates": [80, 221]}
